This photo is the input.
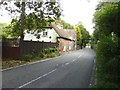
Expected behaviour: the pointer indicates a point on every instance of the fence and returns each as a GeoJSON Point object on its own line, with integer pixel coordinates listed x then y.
{"type": "Point", "coordinates": [31, 46]}
{"type": "Point", "coordinates": [11, 48]}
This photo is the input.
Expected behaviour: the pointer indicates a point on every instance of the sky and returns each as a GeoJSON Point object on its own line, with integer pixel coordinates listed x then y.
{"type": "Point", "coordinates": [74, 11]}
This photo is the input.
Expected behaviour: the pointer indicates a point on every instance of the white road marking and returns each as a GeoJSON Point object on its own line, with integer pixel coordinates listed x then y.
{"type": "Point", "coordinates": [67, 63]}
{"type": "Point", "coordinates": [94, 61]}
{"type": "Point", "coordinates": [36, 79]}
{"type": "Point", "coordinates": [73, 60]}
{"type": "Point", "coordinates": [80, 55]}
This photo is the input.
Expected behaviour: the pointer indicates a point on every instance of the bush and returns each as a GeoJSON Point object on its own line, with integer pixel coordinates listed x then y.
{"type": "Point", "coordinates": [107, 62]}
{"type": "Point", "coordinates": [41, 55]}
{"type": "Point", "coordinates": [49, 50]}
{"type": "Point", "coordinates": [50, 55]}
{"type": "Point", "coordinates": [103, 84]}
{"type": "Point", "coordinates": [27, 57]}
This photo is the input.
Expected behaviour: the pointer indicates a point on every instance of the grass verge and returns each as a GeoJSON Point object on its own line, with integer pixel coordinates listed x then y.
{"type": "Point", "coordinates": [27, 60]}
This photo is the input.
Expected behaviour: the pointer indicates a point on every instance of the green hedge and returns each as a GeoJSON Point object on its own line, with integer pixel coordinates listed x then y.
{"type": "Point", "coordinates": [108, 61]}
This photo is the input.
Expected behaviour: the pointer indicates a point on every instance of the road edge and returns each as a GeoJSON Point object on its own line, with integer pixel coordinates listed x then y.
{"type": "Point", "coordinates": [39, 61]}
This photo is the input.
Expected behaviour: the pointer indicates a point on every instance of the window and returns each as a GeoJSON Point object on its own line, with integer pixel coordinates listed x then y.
{"type": "Point", "coordinates": [50, 37]}
{"type": "Point", "coordinates": [45, 34]}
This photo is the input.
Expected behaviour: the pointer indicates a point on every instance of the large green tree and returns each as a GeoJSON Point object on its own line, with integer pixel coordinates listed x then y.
{"type": "Point", "coordinates": [82, 35]}
{"type": "Point", "coordinates": [106, 18]}
{"type": "Point", "coordinates": [32, 15]}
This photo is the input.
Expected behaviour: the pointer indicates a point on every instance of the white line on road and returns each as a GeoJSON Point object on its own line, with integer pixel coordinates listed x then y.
{"type": "Point", "coordinates": [36, 79]}
{"type": "Point", "coordinates": [80, 55]}
{"type": "Point", "coordinates": [67, 63]}
{"type": "Point", "coordinates": [73, 60]}
{"type": "Point", "coordinates": [94, 61]}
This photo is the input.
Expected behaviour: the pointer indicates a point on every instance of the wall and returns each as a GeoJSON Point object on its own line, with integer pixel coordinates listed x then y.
{"type": "Point", "coordinates": [66, 45]}
{"type": "Point", "coordinates": [50, 33]}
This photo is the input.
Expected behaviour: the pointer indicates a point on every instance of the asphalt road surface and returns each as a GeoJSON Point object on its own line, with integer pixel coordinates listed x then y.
{"type": "Point", "coordinates": [71, 70]}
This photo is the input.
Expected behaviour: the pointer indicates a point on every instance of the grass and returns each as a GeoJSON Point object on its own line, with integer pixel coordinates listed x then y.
{"type": "Point", "coordinates": [14, 63]}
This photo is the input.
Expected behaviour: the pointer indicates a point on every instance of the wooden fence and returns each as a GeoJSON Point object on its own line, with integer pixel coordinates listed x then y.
{"type": "Point", "coordinates": [11, 48]}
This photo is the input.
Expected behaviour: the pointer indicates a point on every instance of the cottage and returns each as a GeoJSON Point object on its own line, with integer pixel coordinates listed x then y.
{"type": "Point", "coordinates": [48, 35]}
{"type": "Point", "coordinates": [66, 38]}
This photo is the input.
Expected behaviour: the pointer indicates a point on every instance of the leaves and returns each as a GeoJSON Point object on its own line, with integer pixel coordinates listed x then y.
{"type": "Point", "coordinates": [40, 15]}
{"type": "Point", "coordinates": [106, 18]}
{"type": "Point", "coordinates": [107, 33]}
{"type": "Point", "coordinates": [66, 25]}
{"type": "Point", "coordinates": [82, 35]}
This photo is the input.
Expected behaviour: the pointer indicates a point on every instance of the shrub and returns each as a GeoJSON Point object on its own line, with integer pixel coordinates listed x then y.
{"type": "Point", "coordinates": [50, 55]}
{"type": "Point", "coordinates": [103, 84]}
{"type": "Point", "coordinates": [27, 57]}
{"type": "Point", "coordinates": [107, 62]}
{"type": "Point", "coordinates": [41, 55]}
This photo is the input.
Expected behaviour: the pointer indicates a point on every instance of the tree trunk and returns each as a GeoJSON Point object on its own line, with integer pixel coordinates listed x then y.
{"type": "Point", "coordinates": [22, 27]}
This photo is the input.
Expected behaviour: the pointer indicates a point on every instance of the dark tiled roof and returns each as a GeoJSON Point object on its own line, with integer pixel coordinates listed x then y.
{"type": "Point", "coordinates": [65, 33]}
{"type": "Point", "coordinates": [71, 33]}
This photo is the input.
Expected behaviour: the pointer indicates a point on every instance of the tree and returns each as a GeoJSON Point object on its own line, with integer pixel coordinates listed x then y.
{"type": "Point", "coordinates": [2, 25]}
{"type": "Point", "coordinates": [82, 35]}
{"type": "Point", "coordinates": [66, 25]}
{"type": "Point", "coordinates": [79, 35]}
{"type": "Point", "coordinates": [12, 30]}
{"type": "Point", "coordinates": [107, 19]}
{"type": "Point", "coordinates": [39, 13]}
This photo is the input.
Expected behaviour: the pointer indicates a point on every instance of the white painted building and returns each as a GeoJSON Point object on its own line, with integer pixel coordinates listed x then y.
{"type": "Point", "coordinates": [49, 35]}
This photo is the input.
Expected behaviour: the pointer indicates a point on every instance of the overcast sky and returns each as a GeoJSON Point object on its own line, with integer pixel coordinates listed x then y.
{"type": "Point", "coordinates": [74, 11]}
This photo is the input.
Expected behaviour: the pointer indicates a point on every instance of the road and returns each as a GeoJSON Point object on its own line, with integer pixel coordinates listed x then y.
{"type": "Point", "coordinates": [71, 70]}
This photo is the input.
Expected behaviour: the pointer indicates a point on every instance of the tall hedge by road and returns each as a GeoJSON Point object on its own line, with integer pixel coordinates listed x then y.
{"type": "Point", "coordinates": [107, 20]}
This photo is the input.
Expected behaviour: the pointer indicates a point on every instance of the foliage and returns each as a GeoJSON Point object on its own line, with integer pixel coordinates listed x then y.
{"type": "Point", "coordinates": [79, 35]}
{"type": "Point", "coordinates": [66, 25]}
{"type": "Point", "coordinates": [26, 57]}
{"type": "Point", "coordinates": [82, 35]}
{"type": "Point", "coordinates": [107, 39]}
{"type": "Point", "coordinates": [49, 50]}
{"type": "Point", "coordinates": [37, 55]}
{"type": "Point", "coordinates": [12, 30]}
{"type": "Point", "coordinates": [107, 85]}
{"type": "Point", "coordinates": [2, 25]}
{"type": "Point", "coordinates": [107, 19]}
{"type": "Point", "coordinates": [40, 13]}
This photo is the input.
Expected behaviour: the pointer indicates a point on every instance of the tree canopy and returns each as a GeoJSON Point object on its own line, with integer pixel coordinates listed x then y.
{"type": "Point", "coordinates": [31, 15]}
{"type": "Point", "coordinates": [82, 35]}
{"type": "Point", "coordinates": [66, 25]}
{"type": "Point", "coordinates": [106, 18]}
